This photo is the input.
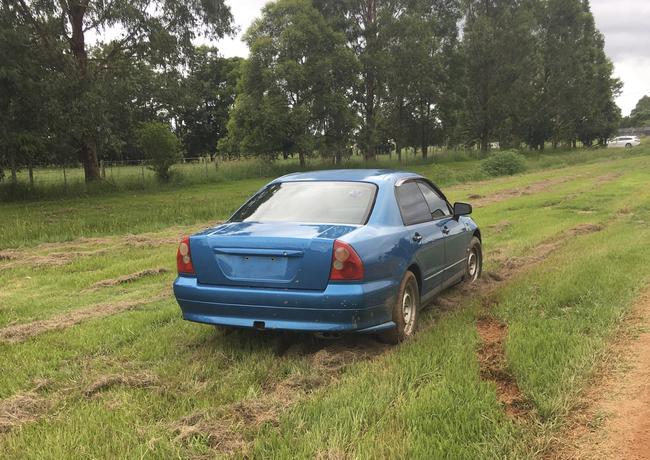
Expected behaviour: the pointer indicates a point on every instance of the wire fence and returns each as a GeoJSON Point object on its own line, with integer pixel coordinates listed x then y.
{"type": "Point", "coordinates": [138, 174]}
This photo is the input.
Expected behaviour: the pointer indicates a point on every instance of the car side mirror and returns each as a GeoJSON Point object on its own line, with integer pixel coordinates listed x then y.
{"type": "Point", "coordinates": [462, 209]}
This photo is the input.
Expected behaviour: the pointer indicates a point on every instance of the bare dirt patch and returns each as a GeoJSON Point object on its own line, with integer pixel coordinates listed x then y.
{"type": "Point", "coordinates": [613, 416]}
{"type": "Point", "coordinates": [127, 278]}
{"type": "Point", "coordinates": [21, 332]}
{"type": "Point", "coordinates": [492, 362]}
{"type": "Point", "coordinates": [530, 189]}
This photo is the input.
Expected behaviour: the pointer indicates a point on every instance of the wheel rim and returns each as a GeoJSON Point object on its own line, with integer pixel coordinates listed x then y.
{"type": "Point", "coordinates": [473, 265]}
{"type": "Point", "coordinates": [409, 309]}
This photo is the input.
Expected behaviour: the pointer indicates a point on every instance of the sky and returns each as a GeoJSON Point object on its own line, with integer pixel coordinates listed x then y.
{"type": "Point", "coordinates": [625, 24]}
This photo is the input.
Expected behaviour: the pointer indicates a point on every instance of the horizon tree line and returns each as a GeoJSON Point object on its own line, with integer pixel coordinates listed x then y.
{"type": "Point", "coordinates": [323, 78]}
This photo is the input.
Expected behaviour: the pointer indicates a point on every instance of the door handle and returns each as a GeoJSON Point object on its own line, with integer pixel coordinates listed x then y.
{"type": "Point", "coordinates": [417, 237]}
{"type": "Point", "coordinates": [445, 230]}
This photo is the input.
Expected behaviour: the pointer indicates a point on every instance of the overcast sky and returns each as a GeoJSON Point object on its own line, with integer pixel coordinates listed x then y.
{"type": "Point", "coordinates": [625, 24]}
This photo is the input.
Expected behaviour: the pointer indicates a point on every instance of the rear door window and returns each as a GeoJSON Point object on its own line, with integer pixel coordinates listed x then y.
{"type": "Point", "coordinates": [437, 205]}
{"type": "Point", "coordinates": [412, 205]}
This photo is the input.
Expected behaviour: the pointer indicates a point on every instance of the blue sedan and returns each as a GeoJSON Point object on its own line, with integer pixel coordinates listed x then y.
{"type": "Point", "coordinates": [329, 252]}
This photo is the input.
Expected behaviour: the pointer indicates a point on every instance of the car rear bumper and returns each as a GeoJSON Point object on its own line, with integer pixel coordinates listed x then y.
{"type": "Point", "coordinates": [340, 307]}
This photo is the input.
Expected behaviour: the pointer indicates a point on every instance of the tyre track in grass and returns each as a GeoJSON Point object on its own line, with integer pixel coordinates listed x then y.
{"type": "Point", "coordinates": [613, 415]}
{"type": "Point", "coordinates": [226, 428]}
{"type": "Point", "coordinates": [20, 332]}
{"type": "Point", "coordinates": [479, 201]}
{"type": "Point", "coordinates": [491, 331]}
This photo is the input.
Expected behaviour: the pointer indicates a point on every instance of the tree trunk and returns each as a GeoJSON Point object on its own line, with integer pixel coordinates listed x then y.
{"type": "Point", "coordinates": [484, 142]}
{"type": "Point", "coordinates": [301, 156]}
{"type": "Point", "coordinates": [369, 20]}
{"type": "Point", "coordinates": [88, 147]}
{"type": "Point", "coordinates": [31, 173]}
{"type": "Point", "coordinates": [398, 149]}
{"type": "Point", "coordinates": [425, 149]}
{"type": "Point", "coordinates": [12, 165]}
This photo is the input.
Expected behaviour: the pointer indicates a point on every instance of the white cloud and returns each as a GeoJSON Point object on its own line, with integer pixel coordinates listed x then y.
{"type": "Point", "coordinates": [244, 12]}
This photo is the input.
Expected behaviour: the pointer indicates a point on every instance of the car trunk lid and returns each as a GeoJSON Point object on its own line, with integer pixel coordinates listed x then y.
{"type": "Point", "coordinates": [266, 255]}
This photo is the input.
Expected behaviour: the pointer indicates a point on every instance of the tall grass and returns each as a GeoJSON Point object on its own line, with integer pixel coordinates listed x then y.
{"type": "Point", "coordinates": [445, 167]}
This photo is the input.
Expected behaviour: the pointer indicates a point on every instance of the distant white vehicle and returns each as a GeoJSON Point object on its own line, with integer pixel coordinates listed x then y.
{"type": "Point", "coordinates": [624, 141]}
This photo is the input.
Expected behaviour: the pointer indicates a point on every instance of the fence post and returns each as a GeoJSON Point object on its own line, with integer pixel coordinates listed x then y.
{"type": "Point", "coordinates": [142, 171]}
{"type": "Point", "coordinates": [102, 165]}
{"type": "Point", "coordinates": [205, 161]}
{"type": "Point", "coordinates": [65, 180]}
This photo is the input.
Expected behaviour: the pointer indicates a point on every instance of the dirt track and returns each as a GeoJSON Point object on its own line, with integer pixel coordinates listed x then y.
{"type": "Point", "coordinates": [616, 422]}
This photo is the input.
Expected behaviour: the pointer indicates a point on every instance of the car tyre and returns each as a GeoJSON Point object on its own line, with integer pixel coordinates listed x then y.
{"type": "Point", "coordinates": [405, 311]}
{"type": "Point", "coordinates": [628, 146]}
{"type": "Point", "coordinates": [474, 261]}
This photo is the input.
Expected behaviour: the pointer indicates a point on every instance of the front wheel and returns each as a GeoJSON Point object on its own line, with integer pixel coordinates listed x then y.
{"type": "Point", "coordinates": [628, 146]}
{"type": "Point", "coordinates": [405, 311]}
{"type": "Point", "coordinates": [474, 261]}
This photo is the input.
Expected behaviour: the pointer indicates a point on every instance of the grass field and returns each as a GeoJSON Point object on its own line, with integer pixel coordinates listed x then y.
{"type": "Point", "coordinates": [96, 361]}
{"type": "Point", "coordinates": [446, 167]}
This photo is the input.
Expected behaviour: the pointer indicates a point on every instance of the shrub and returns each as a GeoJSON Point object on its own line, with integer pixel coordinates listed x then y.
{"type": "Point", "coordinates": [505, 163]}
{"type": "Point", "coordinates": [159, 145]}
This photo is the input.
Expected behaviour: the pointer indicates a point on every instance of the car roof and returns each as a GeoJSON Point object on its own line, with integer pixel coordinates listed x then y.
{"type": "Point", "coordinates": [376, 176]}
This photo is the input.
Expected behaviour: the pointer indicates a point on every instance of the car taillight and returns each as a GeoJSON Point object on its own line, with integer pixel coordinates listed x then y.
{"type": "Point", "coordinates": [346, 263]}
{"type": "Point", "coordinates": [184, 258]}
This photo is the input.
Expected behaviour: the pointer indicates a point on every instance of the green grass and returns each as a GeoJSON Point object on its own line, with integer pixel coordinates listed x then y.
{"type": "Point", "coordinates": [423, 399]}
{"type": "Point", "coordinates": [444, 167]}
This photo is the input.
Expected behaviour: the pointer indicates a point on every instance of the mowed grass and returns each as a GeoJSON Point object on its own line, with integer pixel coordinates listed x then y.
{"type": "Point", "coordinates": [423, 399]}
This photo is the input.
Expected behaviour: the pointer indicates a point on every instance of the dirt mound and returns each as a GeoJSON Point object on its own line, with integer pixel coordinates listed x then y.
{"type": "Point", "coordinates": [19, 409]}
{"type": "Point", "coordinates": [139, 380]}
{"type": "Point", "coordinates": [127, 278]}
{"type": "Point", "coordinates": [20, 332]}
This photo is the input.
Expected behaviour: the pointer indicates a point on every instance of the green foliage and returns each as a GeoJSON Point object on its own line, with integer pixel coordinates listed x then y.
{"type": "Point", "coordinates": [293, 88]}
{"type": "Point", "coordinates": [159, 145]}
{"type": "Point", "coordinates": [640, 115]}
{"type": "Point", "coordinates": [504, 163]}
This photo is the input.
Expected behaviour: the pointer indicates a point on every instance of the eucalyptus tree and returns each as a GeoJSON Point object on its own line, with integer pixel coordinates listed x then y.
{"type": "Point", "coordinates": [156, 30]}
{"type": "Point", "coordinates": [294, 87]}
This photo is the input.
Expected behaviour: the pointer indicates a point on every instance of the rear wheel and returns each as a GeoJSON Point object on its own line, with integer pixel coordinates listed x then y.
{"type": "Point", "coordinates": [628, 146]}
{"type": "Point", "coordinates": [405, 311]}
{"type": "Point", "coordinates": [474, 261]}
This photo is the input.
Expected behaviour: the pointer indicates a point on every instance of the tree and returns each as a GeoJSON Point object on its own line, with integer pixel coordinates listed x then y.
{"type": "Point", "coordinates": [24, 85]}
{"type": "Point", "coordinates": [159, 145]}
{"type": "Point", "coordinates": [206, 95]}
{"type": "Point", "coordinates": [365, 23]}
{"type": "Point", "coordinates": [500, 69]}
{"type": "Point", "coordinates": [640, 115]}
{"type": "Point", "coordinates": [293, 91]}
{"type": "Point", "coordinates": [161, 31]}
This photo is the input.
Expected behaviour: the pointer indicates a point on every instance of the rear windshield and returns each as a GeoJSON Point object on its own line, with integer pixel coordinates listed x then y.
{"type": "Point", "coordinates": [315, 202]}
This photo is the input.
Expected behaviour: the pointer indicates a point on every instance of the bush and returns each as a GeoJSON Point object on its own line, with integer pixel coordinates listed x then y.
{"type": "Point", "coordinates": [505, 163]}
{"type": "Point", "coordinates": [159, 145]}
